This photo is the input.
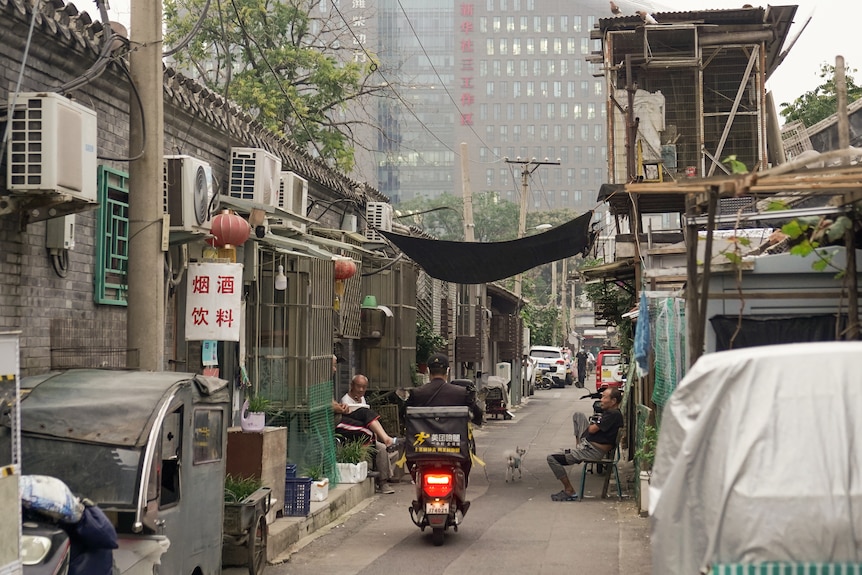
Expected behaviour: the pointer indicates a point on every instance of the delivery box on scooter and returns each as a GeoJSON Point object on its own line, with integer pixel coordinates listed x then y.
{"type": "Point", "coordinates": [434, 432]}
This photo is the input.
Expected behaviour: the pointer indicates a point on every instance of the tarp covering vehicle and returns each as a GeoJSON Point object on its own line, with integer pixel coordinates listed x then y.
{"type": "Point", "coordinates": [759, 459]}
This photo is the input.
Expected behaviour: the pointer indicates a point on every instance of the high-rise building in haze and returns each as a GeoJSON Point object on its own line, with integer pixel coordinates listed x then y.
{"type": "Point", "coordinates": [508, 77]}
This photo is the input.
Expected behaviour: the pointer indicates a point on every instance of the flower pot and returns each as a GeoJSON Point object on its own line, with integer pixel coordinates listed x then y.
{"type": "Point", "coordinates": [352, 472]}
{"type": "Point", "coordinates": [251, 421]}
{"type": "Point", "coordinates": [644, 492]}
{"type": "Point", "coordinates": [320, 489]}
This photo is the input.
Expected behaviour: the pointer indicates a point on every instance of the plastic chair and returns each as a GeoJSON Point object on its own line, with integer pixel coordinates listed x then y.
{"type": "Point", "coordinates": [609, 461]}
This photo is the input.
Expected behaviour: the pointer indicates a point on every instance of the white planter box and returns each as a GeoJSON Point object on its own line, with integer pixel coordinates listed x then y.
{"type": "Point", "coordinates": [352, 472]}
{"type": "Point", "coordinates": [644, 488]}
{"type": "Point", "coordinates": [320, 489]}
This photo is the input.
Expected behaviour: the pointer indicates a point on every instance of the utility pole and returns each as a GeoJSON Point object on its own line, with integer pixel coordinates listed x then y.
{"type": "Point", "coordinates": [527, 168]}
{"type": "Point", "coordinates": [472, 291]}
{"type": "Point", "coordinates": [145, 329]}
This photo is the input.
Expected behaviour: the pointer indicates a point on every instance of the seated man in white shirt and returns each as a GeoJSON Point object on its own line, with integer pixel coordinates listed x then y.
{"type": "Point", "coordinates": [356, 413]}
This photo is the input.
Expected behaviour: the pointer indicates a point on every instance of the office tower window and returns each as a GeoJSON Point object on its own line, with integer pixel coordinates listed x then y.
{"type": "Point", "coordinates": [537, 153]}
{"type": "Point", "coordinates": [489, 177]}
{"type": "Point", "coordinates": [564, 154]}
{"type": "Point", "coordinates": [597, 88]}
{"type": "Point", "coordinates": [523, 152]}
{"type": "Point", "coordinates": [543, 46]}
{"type": "Point", "coordinates": [570, 90]}
{"type": "Point", "coordinates": [579, 196]}
{"type": "Point", "coordinates": [523, 24]}
{"type": "Point", "coordinates": [558, 132]}
{"type": "Point", "coordinates": [564, 67]}
{"type": "Point", "coordinates": [570, 177]}
{"type": "Point", "coordinates": [564, 23]}
{"type": "Point", "coordinates": [489, 89]}
{"type": "Point", "coordinates": [495, 65]}
{"type": "Point", "coordinates": [543, 89]}
{"type": "Point", "coordinates": [591, 111]}
{"type": "Point", "coordinates": [483, 111]}
{"type": "Point", "coordinates": [516, 5]}
{"type": "Point", "coordinates": [504, 175]}
{"type": "Point", "coordinates": [510, 111]}
{"type": "Point", "coordinates": [576, 111]}
{"type": "Point", "coordinates": [489, 46]}
{"type": "Point", "coordinates": [549, 24]}
{"type": "Point", "coordinates": [570, 132]}
{"type": "Point", "coordinates": [564, 110]}
{"type": "Point", "coordinates": [324, 6]}
{"type": "Point", "coordinates": [598, 175]}
{"type": "Point", "coordinates": [503, 5]}
{"type": "Point", "coordinates": [483, 153]}
{"type": "Point", "coordinates": [537, 67]}
{"type": "Point", "coordinates": [585, 176]}
{"type": "Point", "coordinates": [531, 132]}
{"type": "Point", "coordinates": [523, 66]}
{"type": "Point", "coordinates": [510, 152]}
{"type": "Point", "coordinates": [496, 24]}
{"type": "Point", "coordinates": [558, 175]}
{"type": "Point", "coordinates": [585, 132]}
{"type": "Point", "coordinates": [591, 154]}
{"type": "Point", "coordinates": [531, 5]}
{"type": "Point", "coordinates": [571, 45]}
{"type": "Point", "coordinates": [531, 89]}
{"type": "Point", "coordinates": [525, 111]}
{"type": "Point", "coordinates": [576, 24]}
{"type": "Point", "coordinates": [531, 46]}
{"type": "Point", "coordinates": [504, 133]}
{"type": "Point", "coordinates": [490, 132]}
{"type": "Point", "coordinates": [549, 111]}
{"type": "Point", "coordinates": [483, 68]}
{"type": "Point", "coordinates": [558, 46]}
{"type": "Point", "coordinates": [585, 45]}
{"type": "Point", "coordinates": [516, 47]}
{"type": "Point", "coordinates": [497, 112]}
{"type": "Point", "coordinates": [591, 21]}
{"type": "Point", "coordinates": [510, 68]}
{"type": "Point", "coordinates": [537, 111]}
{"type": "Point", "coordinates": [516, 133]}
{"type": "Point", "coordinates": [576, 154]}
{"type": "Point", "coordinates": [510, 24]}
{"type": "Point", "coordinates": [604, 111]}
{"type": "Point", "coordinates": [537, 23]}
{"type": "Point", "coordinates": [489, 5]}
{"type": "Point", "coordinates": [604, 153]}
{"type": "Point", "coordinates": [483, 24]}
{"type": "Point", "coordinates": [504, 90]}
{"type": "Point", "coordinates": [585, 87]}
{"type": "Point", "coordinates": [597, 132]}
{"type": "Point", "coordinates": [504, 46]}
{"type": "Point", "coordinates": [564, 198]}
{"type": "Point", "coordinates": [558, 89]}
{"type": "Point", "coordinates": [576, 67]}
{"type": "Point", "coordinates": [551, 67]}
{"type": "Point", "coordinates": [543, 132]}
{"type": "Point", "coordinates": [516, 90]}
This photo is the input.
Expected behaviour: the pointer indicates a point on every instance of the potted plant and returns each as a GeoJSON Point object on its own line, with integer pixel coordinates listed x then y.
{"type": "Point", "coordinates": [427, 342]}
{"type": "Point", "coordinates": [645, 454]}
{"type": "Point", "coordinates": [351, 458]}
{"type": "Point", "coordinates": [253, 413]}
{"type": "Point", "coordinates": [319, 483]}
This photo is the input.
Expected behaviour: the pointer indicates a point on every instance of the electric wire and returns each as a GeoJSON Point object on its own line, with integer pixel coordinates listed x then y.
{"type": "Point", "coordinates": [125, 69]}
{"type": "Point", "coordinates": [96, 69]}
{"type": "Point", "coordinates": [17, 90]}
{"type": "Point", "coordinates": [192, 33]}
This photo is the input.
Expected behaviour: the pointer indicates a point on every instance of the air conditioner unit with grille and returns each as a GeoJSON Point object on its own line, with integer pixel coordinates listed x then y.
{"type": "Point", "coordinates": [188, 193]}
{"type": "Point", "coordinates": [52, 146]}
{"type": "Point", "coordinates": [255, 175]}
{"type": "Point", "coordinates": [378, 216]}
{"type": "Point", "coordinates": [293, 198]}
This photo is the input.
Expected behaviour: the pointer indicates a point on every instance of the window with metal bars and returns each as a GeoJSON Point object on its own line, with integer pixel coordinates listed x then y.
{"type": "Point", "coordinates": [112, 238]}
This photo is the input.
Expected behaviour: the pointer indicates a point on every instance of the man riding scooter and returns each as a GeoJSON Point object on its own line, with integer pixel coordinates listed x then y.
{"type": "Point", "coordinates": [441, 393]}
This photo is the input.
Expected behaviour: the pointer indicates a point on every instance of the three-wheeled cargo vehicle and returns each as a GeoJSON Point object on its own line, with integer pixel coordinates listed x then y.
{"type": "Point", "coordinates": [147, 447]}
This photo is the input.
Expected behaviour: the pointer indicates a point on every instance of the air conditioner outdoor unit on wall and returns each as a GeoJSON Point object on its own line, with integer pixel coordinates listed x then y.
{"type": "Point", "coordinates": [188, 193]}
{"type": "Point", "coordinates": [52, 146]}
{"type": "Point", "coordinates": [378, 216]}
{"type": "Point", "coordinates": [255, 175]}
{"type": "Point", "coordinates": [293, 197]}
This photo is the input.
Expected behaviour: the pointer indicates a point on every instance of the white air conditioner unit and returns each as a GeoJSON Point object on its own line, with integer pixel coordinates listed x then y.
{"type": "Point", "coordinates": [255, 175]}
{"type": "Point", "coordinates": [293, 198]}
{"type": "Point", "coordinates": [378, 216]}
{"type": "Point", "coordinates": [52, 146]}
{"type": "Point", "coordinates": [188, 193]}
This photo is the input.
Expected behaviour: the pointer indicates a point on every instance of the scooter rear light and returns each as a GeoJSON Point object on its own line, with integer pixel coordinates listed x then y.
{"type": "Point", "coordinates": [437, 484]}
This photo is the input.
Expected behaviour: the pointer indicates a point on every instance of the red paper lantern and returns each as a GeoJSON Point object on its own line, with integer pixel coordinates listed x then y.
{"type": "Point", "coordinates": [344, 268]}
{"type": "Point", "coordinates": [228, 229]}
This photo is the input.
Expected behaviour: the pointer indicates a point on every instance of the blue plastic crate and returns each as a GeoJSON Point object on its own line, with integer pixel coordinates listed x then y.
{"type": "Point", "coordinates": [290, 470]}
{"type": "Point", "coordinates": [297, 496]}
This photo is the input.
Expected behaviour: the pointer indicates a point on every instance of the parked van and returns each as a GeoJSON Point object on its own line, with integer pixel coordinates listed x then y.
{"type": "Point", "coordinates": [609, 369]}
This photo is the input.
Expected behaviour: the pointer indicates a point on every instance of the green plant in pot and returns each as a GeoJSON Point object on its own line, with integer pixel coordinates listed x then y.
{"type": "Point", "coordinates": [237, 488]}
{"type": "Point", "coordinates": [253, 413]}
{"type": "Point", "coordinates": [352, 460]}
{"type": "Point", "coordinates": [427, 342]}
{"type": "Point", "coordinates": [645, 453]}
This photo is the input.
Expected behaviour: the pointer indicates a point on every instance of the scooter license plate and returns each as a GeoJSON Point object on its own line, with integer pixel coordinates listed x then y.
{"type": "Point", "coordinates": [436, 508]}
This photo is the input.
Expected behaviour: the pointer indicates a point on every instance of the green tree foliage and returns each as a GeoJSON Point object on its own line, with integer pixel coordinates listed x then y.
{"type": "Point", "coordinates": [292, 71]}
{"type": "Point", "coordinates": [822, 101]}
{"type": "Point", "coordinates": [541, 320]}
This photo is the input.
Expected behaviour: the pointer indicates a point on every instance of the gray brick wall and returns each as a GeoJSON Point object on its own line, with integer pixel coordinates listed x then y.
{"type": "Point", "coordinates": [33, 297]}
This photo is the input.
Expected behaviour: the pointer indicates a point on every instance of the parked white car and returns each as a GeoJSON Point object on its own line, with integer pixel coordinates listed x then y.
{"type": "Point", "coordinates": [547, 359]}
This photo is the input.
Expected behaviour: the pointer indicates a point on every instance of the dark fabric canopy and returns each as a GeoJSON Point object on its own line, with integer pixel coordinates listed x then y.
{"type": "Point", "coordinates": [476, 263]}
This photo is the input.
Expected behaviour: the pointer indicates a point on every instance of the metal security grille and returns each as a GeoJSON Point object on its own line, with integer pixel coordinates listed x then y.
{"type": "Point", "coordinates": [112, 238]}
{"type": "Point", "coordinates": [83, 344]}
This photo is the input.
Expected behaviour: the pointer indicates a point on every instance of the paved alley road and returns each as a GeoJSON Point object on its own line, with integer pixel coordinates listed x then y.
{"type": "Point", "coordinates": [512, 528]}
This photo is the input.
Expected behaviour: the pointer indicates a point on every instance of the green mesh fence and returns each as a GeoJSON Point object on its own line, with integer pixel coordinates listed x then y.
{"type": "Point", "coordinates": [311, 432]}
{"type": "Point", "coordinates": [667, 320]}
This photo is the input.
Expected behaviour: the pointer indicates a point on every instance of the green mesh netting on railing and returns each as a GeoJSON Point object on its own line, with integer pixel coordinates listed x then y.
{"type": "Point", "coordinates": [311, 432]}
{"type": "Point", "coordinates": [667, 319]}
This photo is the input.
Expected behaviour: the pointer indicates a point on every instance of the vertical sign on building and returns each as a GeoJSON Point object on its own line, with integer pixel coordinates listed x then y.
{"type": "Point", "coordinates": [359, 30]}
{"type": "Point", "coordinates": [465, 41]}
{"type": "Point", "coordinates": [213, 302]}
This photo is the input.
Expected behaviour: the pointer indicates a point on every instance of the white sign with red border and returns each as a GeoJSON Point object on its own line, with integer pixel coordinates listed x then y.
{"type": "Point", "coordinates": [213, 302]}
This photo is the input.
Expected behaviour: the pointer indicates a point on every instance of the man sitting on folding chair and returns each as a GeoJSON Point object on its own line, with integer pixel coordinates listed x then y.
{"type": "Point", "coordinates": [597, 437]}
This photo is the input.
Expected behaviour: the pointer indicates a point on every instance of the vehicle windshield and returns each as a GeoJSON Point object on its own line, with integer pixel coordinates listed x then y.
{"type": "Point", "coordinates": [107, 475]}
{"type": "Point", "coordinates": [545, 354]}
{"type": "Point", "coordinates": [609, 360]}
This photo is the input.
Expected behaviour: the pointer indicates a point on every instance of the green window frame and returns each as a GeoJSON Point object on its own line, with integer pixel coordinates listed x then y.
{"type": "Point", "coordinates": [112, 238]}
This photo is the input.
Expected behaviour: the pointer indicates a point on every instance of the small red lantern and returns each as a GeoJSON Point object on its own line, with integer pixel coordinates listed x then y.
{"type": "Point", "coordinates": [229, 229]}
{"type": "Point", "coordinates": [344, 268]}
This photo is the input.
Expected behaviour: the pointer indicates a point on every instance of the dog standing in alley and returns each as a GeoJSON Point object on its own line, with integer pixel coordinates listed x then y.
{"type": "Point", "coordinates": [513, 463]}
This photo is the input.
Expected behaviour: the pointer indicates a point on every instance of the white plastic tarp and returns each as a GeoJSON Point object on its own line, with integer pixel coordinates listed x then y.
{"type": "Point", "coordinates": [760, 459]}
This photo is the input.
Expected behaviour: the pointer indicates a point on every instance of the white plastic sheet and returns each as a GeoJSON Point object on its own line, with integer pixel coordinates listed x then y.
{"type": "Point", "coordinates": [760, 459]}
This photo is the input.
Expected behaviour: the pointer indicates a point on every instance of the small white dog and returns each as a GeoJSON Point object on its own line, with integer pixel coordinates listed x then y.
{"type": "Point", "coordinates": [513, 462]}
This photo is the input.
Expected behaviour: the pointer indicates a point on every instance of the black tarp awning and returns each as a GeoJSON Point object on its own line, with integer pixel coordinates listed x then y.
{"type": "Point", "coordinates": [476, 263]}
